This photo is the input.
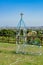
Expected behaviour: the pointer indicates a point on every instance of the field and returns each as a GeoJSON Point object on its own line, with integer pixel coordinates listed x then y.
{"type": "Point", "coordinates": [8, 55]}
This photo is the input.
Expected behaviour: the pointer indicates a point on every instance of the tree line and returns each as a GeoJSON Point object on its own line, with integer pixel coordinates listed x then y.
{"type": "Point", "coordinates": [9, 35]}
{"type": "Point", "coordinates": [7, 32]}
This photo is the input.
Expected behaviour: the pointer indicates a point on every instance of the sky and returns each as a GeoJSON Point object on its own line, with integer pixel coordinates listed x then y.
{"type": "Point", "coordinates": [10, 12]}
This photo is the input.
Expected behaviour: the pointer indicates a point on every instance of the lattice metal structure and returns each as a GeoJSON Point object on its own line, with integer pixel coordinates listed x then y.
{"type": "Point", "coordinates": [21, 35]}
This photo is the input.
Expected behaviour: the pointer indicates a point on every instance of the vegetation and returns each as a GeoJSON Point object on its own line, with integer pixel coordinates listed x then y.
{"type": "Point", "coordinates": [9, 57]}
{"type": "Point", "coordinates": [7, 32]}
{"type": "Point", "coordinates": [8, 54]}
{"type": "Point", "coordinates": [9, 36]}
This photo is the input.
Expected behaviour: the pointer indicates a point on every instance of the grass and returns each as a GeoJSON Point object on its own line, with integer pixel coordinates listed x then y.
{"type": "Point", "coordinates": [9, 57]}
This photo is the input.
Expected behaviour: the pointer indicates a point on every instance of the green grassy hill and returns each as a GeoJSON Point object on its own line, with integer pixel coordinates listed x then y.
{"type": "Point", "coordinates": [9, 57]}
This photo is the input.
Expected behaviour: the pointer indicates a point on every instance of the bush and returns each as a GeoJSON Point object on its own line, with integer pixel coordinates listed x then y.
{"type": "Point", "coordinates": [37, 41]}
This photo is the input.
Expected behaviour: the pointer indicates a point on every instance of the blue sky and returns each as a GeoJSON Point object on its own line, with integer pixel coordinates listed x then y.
{"type": "Point", "coordinates": [10, 12]}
